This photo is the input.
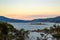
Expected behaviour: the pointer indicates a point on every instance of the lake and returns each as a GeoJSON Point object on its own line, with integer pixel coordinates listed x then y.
{"type": "Point", "coordinates": [28, 26]}
{"type": "Point", "coordinates": [34, 35]}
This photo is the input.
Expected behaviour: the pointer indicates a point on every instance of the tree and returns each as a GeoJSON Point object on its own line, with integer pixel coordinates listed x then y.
{"type": "Point", "coordinates": [4, 29]}
{"type": "Point", "coordinates": [56, 31]}
{"type": "Point", "coordinates": [46, 30]}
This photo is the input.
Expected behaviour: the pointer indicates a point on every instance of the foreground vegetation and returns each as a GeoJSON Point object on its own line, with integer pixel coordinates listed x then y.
{"type": "Point", "coordinates": [54, 31]}
{"type": "Point", "coordinates": [8, 32]}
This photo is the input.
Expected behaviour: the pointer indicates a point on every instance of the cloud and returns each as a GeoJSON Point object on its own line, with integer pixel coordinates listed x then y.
{"type": "Point", "coordinates": [41, 16]}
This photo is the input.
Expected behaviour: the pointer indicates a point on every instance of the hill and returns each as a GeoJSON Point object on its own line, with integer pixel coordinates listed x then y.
{"type": "Point", "coordinates": [5, 19]}
{"type": "Point", "coordinates": [55, 20]}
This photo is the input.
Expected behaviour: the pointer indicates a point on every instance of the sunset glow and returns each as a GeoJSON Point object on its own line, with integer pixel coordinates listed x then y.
{"type": "Point", "coordinates": [29, 9]}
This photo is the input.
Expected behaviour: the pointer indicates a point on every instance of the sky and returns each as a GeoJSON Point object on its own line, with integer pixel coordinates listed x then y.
{"type": "Point", "coordinates": [29, 9]}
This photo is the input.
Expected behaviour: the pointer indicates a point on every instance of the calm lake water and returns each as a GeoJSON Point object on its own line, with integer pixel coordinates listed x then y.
{"type": "Point", "coordinates": [28, 26]}
{"type": "Point", "coordinates": [34, 35]}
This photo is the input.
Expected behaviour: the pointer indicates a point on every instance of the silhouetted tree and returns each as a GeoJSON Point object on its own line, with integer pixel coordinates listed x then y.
{"type": "Point", "coordinates": [4, 29]}
{"type": "Point", "coordinates": [56, 31]}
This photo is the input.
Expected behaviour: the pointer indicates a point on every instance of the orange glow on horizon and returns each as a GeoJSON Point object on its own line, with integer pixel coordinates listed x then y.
{"type": "Point", "coordinates": [29, 9]}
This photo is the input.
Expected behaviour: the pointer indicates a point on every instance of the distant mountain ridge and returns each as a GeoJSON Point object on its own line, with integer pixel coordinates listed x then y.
{"type": "Point", "coordinates": [5, 19]}
{"type": "Point", "coordinates": [55, 19]}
